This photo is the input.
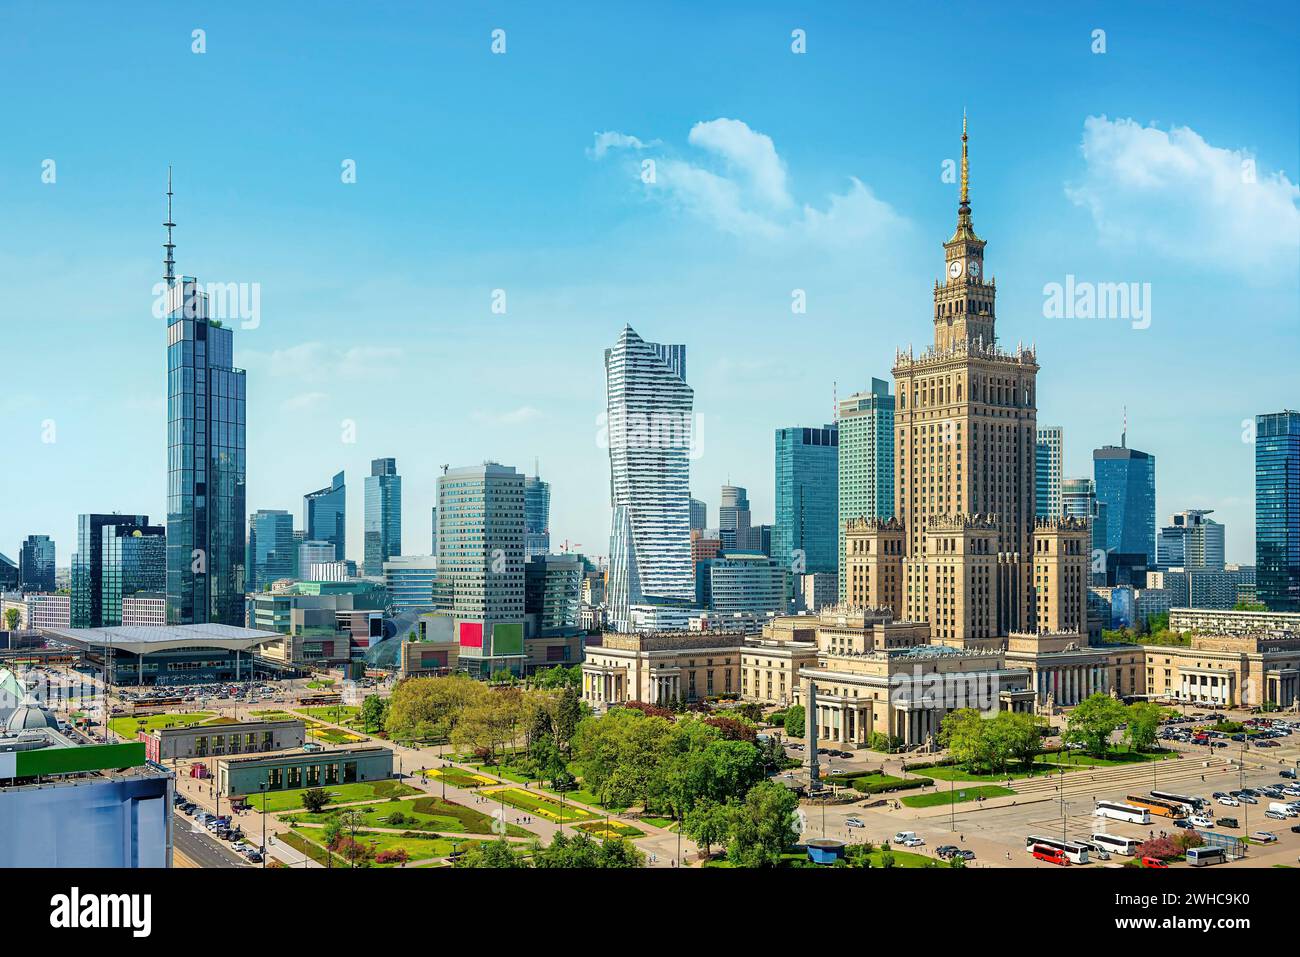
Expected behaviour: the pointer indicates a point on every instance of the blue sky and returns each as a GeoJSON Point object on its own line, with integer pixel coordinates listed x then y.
{"type": "Point", "coordinates": [776, 171]}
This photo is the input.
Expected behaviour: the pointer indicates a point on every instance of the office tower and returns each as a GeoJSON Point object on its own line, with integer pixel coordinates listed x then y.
{"type": "Point", "coordinates": [299, 536]}
{"type": "Point", "coordinates": [325, 515]}
{"type": "Point", "coordinates": [1079, 500]}
{"type": "Point", "coordinates": [410, 580]}
{"type": "Point", "coordinates": [958, 551]}
{"type": "Point", "coordinates": [313, 553]}
{"type": "Point", "coordinates": [9, 573]}
{"type": "Point", "coordinates": [206, 467]}
{"type": "Point", "coordinates": [383, 518]}
{"type": "Point", "coordinates": [750, 583]}
{"type": "Point", "coordinates": [866, 461]}
{"type": "Point", "coordinates": [699, 515]}
{"type": "Point", "coordinates": [1191, 541]}
{"type": "Point", "coordinates": [1048, 462]}
{"type": "Point", "coordinates": [433, 540]}
{"type": "Point", "coordinates": [1126, 482]}
{"type": "Point", "coordinates": [117, 555]}
{"type": "Point", "coordinates": [36, 564]}
{"type": "Point", "coordinates": [552, 593]}
{"type": "Point", "coordinates": [648, 407]}
{"type": "Point", "coordinates": [537, 516]}
{"type": "Point", "coordinates": [1277, 510]}
{"type": "Point", "coordinates": [481, 564]}
{"type": "Point", "coordinates": [734, 518]}
{"type": "Point", "coordinates": [805, 535]}
{"type": "Point", "coordinates": [272, 550]}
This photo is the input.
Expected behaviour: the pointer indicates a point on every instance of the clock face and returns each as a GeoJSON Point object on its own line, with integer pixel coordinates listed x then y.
{"type": "Point", "coordinates": [973, 268]}
{"type": "Point", "coordinates": [954, 268]}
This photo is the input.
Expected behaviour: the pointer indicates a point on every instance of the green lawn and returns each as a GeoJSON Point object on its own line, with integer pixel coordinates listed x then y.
{"type": "Point", "coordinates": [417, 847]}
{"type": "Point", "coordinates": [126, 726]}
{"type": "Point", "coordinates": [583, 796]}
{"type": "Point", "coordinates": [612, 829]}
{"type": "Point", "coordinates": [419, 814]}
{"type": "Point", "coordinates": [542, 806]}
{"type": "Point", "coordinates": [338, 794]}
{"type": "Point", "coordinates": [1017, 772]}
{"type": "Point", "coordinates": [312, 849]}
{"type": "Point", "coordinates": [275, 714]}
{"type": "Point", "coordinates": [906, 859]}
{"type": "Point", "coordinates": [1109, 760]}
{"type": "Point", "coordinates": [959, 796]}
{"type": "Point", "coordinates": [348, 714]}
{"type": "Point", "coordinates": [666, 823]}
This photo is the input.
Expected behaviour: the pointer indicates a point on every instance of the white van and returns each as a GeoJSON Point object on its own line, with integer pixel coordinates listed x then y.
{"type": "Point", "coordinates": [1277, 807]}
{"type": "Point", "coordinates": [903, 837]}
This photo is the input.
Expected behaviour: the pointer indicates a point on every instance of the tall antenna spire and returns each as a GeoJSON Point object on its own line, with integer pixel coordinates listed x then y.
{"type": "Point", "coordinates": [169, 263]}
{"type": "Point", "coordinates": [1123, 437]}
{"type": "Point", "coordinates": [965, 166]}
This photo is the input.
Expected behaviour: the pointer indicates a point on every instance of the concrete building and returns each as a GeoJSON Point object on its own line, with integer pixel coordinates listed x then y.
{"type": "Point", "coordinates": [480, 583]}
{"type": "Point", "coordinates": [661, 668]}
{"type": "Point", "coordinates": [170, 655]}
{"type": "Point", "coordinates": [283, 771]}
{"type": "Point", "coordinates": [410, 580]}
{"type": "Point", "coordinates": [1191, 541]}
{"type": "Point", "coordinates": [1233, 623]}
{"type": "Point", "coordinates": [144, 609]}
{"type": "Point", "coordinates": [1229, 670]}
{"type": "Point", "coordinates": [752, 583]}
{"type": "Point", "coordinates": [215, 740]}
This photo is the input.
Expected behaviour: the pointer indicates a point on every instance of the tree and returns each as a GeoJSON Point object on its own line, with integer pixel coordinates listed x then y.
{"type": "Point", "coordinates": [12, 616]}
{"type": "Point", "coordinates": [373, 710]}
{"type": "Point", "coordinates": [1143, 724]}
{"type": "Point", "coordinates": [763, 826]}
{"type": "Point", "coordinates": [708, 823]}
{"type": "Point", "coordinates": [733, 729]}
{"type": "Point", "coordinates": [963, 734]}
{"type": "Point", "coordinates": [795, 721]}
{"type": "Point", "coordinates": [1016, 736]}
{"type": "Point", "coordinates": [315, 799]}
{"type": "Point", "coordinates": [1092, 721]}
{"type": "Point", "coordinates": [430, 708]}
{"type": "Point", "coordinates": [568, 712]}
{"type": "Point", "coordinates": [498, 853]}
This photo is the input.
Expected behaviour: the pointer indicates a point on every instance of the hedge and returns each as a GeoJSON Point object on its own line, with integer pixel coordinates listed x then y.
{"type": "Point", "coordinates": [885, 787]}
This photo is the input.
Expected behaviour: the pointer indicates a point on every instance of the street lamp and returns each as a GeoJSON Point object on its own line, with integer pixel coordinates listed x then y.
{"type": "Point", "coordinates": [262, 787]}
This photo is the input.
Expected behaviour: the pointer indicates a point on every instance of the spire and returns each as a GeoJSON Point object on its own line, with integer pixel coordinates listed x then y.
{"type": "Point", "coordinates": [1123, 436]}
{"type": "Point", "coordinates": [169, 263]}
{"type": "Point", "coordinates": [965, 168]}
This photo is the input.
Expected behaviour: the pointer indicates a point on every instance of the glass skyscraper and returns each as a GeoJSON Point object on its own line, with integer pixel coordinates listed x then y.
{"type": "Point", "coordinates": [383, 518]}
{"type": "Point", "coordinates": [649, 407]}
{"type": "Point", "coordinates": [1277, 510]}
{"type": "Point", "coordinates": [1126, 483]}
{"type": "Point", "coordinates": [537, 516]}
{"type": "Point", "coordinates": [1048, 460]}
{"type": "Point", "coordinates": [272, 549]}
{"type": "Point", "coordinates": [117, 556]}
{"type": "Point", "coordinates": [805, 536]}
{"type": "Point", "coordinates": [206, 466]}
{"type": "Point", "coordinates": [325, 515]}
{"type": "Point", "coordinates": [866, 460]}
{"type": "Point", "coordinates": [36, 564]}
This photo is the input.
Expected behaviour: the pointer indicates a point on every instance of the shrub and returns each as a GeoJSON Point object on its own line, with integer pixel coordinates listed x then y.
{"type": "Point", "coordinates": [885, 787]}
{"type": "Point", "coordinates": [397, 855]}
{"type": "Point", "coordinates": [1161, 848]}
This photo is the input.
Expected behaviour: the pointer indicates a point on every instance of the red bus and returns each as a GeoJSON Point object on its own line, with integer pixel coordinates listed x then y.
{"type": "Point", "coordinates": [1051, 854]}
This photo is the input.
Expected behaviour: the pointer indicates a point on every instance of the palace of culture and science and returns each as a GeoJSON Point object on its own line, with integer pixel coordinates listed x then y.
{"type": "Point", "coordinates": [963, 598]}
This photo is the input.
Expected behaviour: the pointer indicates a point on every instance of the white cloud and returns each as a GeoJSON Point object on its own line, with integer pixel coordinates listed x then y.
{"type": "Point", "coordinates": [310, 361]}
{"type": "Point", "coordinates": [740, 185]}
{"type": "Point", "coordinates": [525, 413]}
{"type": "Point", "coordinates": [1187, 199]}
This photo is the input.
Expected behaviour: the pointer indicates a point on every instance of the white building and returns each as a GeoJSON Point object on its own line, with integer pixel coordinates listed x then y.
{"type": "Point", "coordinates": [144, 608]}
{"type": "Point", "coordinates": [648, 408]}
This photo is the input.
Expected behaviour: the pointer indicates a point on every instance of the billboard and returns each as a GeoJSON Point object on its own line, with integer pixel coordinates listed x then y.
{"type": "Point", "coordinates": [507, 638]}
{"type": "Point", "coordinates": [471, 635]}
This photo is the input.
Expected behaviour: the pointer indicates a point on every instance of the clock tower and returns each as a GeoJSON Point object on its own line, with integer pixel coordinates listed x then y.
{"type": "Point", "coordinates": [963, 300]}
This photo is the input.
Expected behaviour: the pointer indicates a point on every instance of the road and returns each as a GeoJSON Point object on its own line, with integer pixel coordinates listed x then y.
{"type": "Point", "coordinates": [201, 848]}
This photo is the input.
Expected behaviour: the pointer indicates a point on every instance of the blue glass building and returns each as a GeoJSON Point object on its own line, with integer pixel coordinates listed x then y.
{"type": "Point", "coordinates": [1277, 510]}
{"type": "Point", "coordinates": [36, 564]}
{"type": "Point", "coordinates": [383, 516]}
{"type": "Point", "coordinates": [537, 516]}
{"type": "Point", "coordinates": [805, 535]}
{"type": "Point", "coordinates": [117, 556]}
{"type": "Point", "coordinates": [1126, 484]}
{"type": "Point", "coordinates": [272, 548]}
{"type": "Point", "coordinates": [325, 515]}
{"type": "Point", "coordinates": [206, 448]}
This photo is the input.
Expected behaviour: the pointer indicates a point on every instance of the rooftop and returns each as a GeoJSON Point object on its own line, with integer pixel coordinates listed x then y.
{"type": "Point", "coordinates": [142, 639]}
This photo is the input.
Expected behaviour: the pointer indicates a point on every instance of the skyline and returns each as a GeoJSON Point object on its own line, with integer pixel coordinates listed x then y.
{"type": "Point", "coordinates": [754, 203]}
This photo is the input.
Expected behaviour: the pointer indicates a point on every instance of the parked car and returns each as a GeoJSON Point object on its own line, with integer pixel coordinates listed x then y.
{"type": "Point", "coordinates": [945, 851]}
{"type": "Point", "coordinates": [1153, 862]}
{"type": "Point", "coordinates": [1229, 802]}
{"type": "Point", "coordinates": [1264, 837]}
{"type": "Point", "coordinates": [1183, 823]}
{"type": "Point", "coordinates": [1287, 773]}
{"type": "Point", "coordinates": [1227, 822]}
{"type": "Point", "coordinates": [965, 854]}
{"type": "Point", "coordinates": [915, 842]}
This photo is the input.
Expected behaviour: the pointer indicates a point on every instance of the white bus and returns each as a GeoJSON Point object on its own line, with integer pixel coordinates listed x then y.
{"type": "Point", "coordinates": [1074, 852]}
{"type": "Point", "coordinates": [1116, 844]}
{"type": "Point", "coordinates": [1119, 811]}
